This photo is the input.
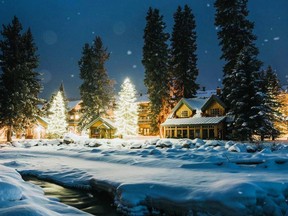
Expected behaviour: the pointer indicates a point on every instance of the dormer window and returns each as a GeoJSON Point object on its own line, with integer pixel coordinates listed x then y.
{"type": "Point", "coordinates": [215, 112]}
{"type": "Point", "coordinates": [184, 114]}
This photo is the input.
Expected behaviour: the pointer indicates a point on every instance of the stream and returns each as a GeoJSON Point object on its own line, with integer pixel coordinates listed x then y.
{"type": "Point", "coordinates": [95, 203]}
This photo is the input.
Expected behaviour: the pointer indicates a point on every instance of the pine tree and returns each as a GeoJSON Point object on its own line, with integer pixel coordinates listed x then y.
{"type": "Point", "coordinates": [271, 87]}
{"type": "Point", "coordinates": [57, 116]}
{"type": "Point", "coordinates": [246, 98]}
{"type": "Point", "coordinates": [19, 82]}
{"type": "Point", "coordinates": [183, 63]}
{"type": "Point", "coordinates": [155, 61]}
{"type": "Point", "coordinates": [126, 114]}
{"type": "Point", "coordinates": [96, 90]}
{"type": "Point", "coordinates": [235, 33]}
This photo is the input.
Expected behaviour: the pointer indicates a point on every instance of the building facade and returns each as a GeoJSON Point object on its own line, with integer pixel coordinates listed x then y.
{"type": "Point", "coordinates": [196, 118]}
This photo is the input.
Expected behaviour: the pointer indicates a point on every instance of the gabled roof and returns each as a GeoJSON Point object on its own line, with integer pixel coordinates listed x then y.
{"type": "Point", "coordinates": [106, 122]}
{"type": "Point", "coordinates": [206, 93]}
{"type": "Point", "coordinates": [210, 100]}
{"type": "Point", "coordinates": [42, 120]}
{"type": "Point", "coordinates": [191, 103]}
{"type": "Point", "coordinates": [72, 104]}
{"type": "Point", "coordinates": [193, 121]}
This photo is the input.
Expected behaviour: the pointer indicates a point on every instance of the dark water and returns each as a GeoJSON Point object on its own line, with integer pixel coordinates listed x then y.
{"type": "Point", "coordinates": [95, 203]}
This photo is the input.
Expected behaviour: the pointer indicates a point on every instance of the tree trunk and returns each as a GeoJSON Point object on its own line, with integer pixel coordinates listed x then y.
{"type": "Point", "coordinates": [9, 134]}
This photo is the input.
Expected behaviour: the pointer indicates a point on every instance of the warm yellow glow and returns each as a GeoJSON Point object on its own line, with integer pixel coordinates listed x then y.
{"type": "Point", "coordinates": [38, 129]}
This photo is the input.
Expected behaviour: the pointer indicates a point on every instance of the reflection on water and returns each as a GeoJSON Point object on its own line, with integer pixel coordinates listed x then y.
{"type": "Point", "coordinates": [96, 203]}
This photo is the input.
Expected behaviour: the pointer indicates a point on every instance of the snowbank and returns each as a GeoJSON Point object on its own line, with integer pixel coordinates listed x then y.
{"type": "Point", "coordinates": [174, 176]}
{"type": "Point", "coordinates": [21, 198]}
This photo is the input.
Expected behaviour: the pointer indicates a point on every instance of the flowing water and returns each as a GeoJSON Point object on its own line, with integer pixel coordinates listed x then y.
{"type": "Point", "coordinates": [95, 203]}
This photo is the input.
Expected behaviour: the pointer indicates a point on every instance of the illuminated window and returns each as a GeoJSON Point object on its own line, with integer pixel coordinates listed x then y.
{"type": "Point", "coordinates": [184, 114]}
{"type": "Point", "coordinates": [215, 112]}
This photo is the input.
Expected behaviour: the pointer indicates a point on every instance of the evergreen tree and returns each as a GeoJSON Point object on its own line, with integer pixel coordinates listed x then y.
{"type": "Point", "coordinates": [19, 82]}
{"type": "Point", "coordinates": [96, 90]}
{"type": "Point", "coordinates": [183, 57]}
{"type": "Point", "coordinates": [235, 33]}
{"type": "Point", "coordinates": [57, 116]}
{"type": "Point", "coordinates": [246, 98]}
{"type": "Point", "coordinates": [155, 61]}
{"type": "Point", "coordinates": [271, 89]}
{"type": "Point", "coordinates": [126, 114]}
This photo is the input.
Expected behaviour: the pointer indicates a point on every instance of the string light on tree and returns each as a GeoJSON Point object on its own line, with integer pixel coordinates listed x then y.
{"type": "Point", "coordinates": [126, 114]}
{"type": "Point", "coordinates": [57, 121]}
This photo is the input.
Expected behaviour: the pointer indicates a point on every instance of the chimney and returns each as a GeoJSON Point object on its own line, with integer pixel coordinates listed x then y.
{"type": "Point", "coordinates": [203, 88]}
{"type": "Point", "coordinates": [218, 91]}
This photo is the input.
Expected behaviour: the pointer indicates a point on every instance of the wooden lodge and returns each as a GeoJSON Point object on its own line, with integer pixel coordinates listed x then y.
{"type": "Point", "coordinates": [196, 118]}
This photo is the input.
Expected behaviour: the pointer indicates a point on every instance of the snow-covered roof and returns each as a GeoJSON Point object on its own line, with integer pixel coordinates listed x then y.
{"type": "Point", "coordinates": [72, 104]}
{"type": "Point", "coordinates": [192, 103]}
{"type": "Point", "coordinates": [193, 121]}
{"type": "Point", "coordinates": [206, 93]}
{"type": "Point", "coordinates": [142, 98]}
{"type": "Point", "coordinates": [105, 121]}
{"type": "Point", "coordinates": [195, 103]}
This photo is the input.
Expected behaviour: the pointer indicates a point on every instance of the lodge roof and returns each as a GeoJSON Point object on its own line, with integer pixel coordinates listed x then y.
{"type": "Point", "coordinates": [72, 104]}
{"type": "Point", "coordinates": [193, 121]}
{"type": "Point", "coordinates": [192, 103]}
{"type": "Point", "coordinates": [105, 121]}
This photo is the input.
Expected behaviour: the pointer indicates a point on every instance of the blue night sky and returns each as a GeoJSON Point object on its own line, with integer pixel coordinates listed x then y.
{"type": "Point", "coordinates": [61, 28]}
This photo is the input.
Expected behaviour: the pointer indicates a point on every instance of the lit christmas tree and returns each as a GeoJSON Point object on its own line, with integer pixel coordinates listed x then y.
{"type": "Point", "coordinates": [57, 120]}
{"type": "Point", "coordinates": [126, 114]}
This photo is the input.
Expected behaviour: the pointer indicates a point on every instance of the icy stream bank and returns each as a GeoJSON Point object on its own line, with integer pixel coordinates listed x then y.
{"type": "Point", "coordinates": [168, 175]}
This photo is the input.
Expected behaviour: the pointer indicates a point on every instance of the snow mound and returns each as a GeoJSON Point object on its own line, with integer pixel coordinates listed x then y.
{"type": "Point", "coordinates": [9, 192]}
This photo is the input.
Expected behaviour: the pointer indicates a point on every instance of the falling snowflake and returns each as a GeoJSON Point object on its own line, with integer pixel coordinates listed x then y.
{"type": "Point", "coordinates": [134, 66]}
{"type": "Point", "coordinates": [68, 18]}
{"type": "Point", "coordinates": [78, 13]}
{"type": "Point", "coordinates": [129, 52]}
{"type": "Point", "coordinates": [208, 5]}
{"type": "Point", "coordinates": [206, 51]}
{"type": "Point", "coordinates": [72, 75]}
{"type": "Point", "coordinates": [93, 32]}
{"type": "Point", "coordinates": [266, 40]}
{"type": "Point", "coordinates": [276, 38]}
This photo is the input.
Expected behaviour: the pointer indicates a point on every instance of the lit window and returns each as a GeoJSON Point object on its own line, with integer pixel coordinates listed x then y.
{"type": "Point", "coordinates": [184, 114]}
{"type": "Point", "coordinates": [215, 112]}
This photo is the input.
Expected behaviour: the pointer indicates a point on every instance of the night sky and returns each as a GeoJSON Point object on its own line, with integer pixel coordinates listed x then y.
{"type": "Point", "coordinates": [61, 28]}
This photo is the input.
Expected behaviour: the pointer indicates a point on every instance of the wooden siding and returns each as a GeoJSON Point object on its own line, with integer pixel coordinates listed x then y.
{"type": "Point", "coordinates": [182, 108]}
{"type": "Point", "coordinates": [213, 106]}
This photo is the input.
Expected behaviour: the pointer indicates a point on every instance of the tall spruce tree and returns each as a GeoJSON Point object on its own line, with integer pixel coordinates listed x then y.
{"type": "Point", "coordinates": [271, 89]}
{"type": "Point", "coordinates": [19, 82]}
{"type": "Point", "coordinates": [183, 64]}
{"type": "Point", "coordinates": [97, 89]}
{"type": "Point", "coordinates": [246, 99]}
{"type": "Point", "coordinates": [235, 33]}
{"type": "Point", "coordinates": [155, 61]}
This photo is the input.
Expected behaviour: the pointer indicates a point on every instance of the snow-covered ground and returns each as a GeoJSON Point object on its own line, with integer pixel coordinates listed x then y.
{"type": "Point", "coordinates": [174, 176]}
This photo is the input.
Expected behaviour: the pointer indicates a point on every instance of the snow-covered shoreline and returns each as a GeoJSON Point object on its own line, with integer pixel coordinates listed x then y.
{"type": "Point", "coordinates": [184, 177]}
